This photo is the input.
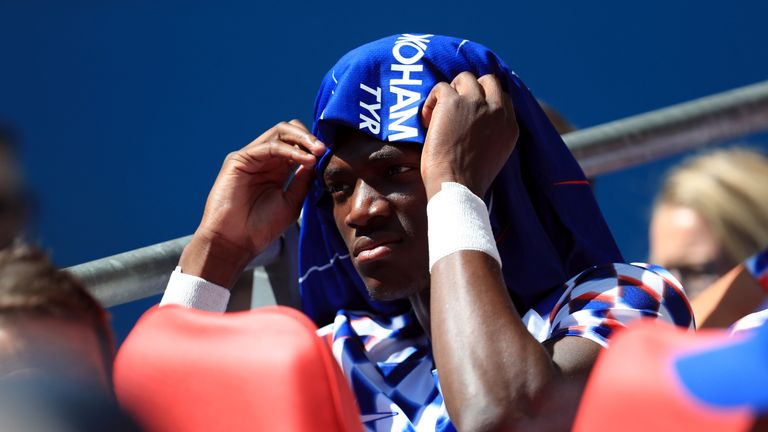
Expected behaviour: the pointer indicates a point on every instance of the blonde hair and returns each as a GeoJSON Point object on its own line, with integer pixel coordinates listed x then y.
{"type": "Point", "coordinates": [729, 190]}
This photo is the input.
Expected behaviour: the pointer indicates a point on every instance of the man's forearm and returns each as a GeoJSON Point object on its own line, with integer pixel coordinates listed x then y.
{"type": "Point", "coordinates": [491, 367]}
{"type": "Point", "coordinates": [213, 260]}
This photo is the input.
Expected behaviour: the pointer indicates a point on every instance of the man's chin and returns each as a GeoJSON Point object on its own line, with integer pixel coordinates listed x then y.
{"type": "Point", "coordinates": [381, 291]}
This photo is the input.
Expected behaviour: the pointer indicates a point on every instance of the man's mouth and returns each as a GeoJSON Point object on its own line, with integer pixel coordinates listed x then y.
{"type": "Point", "coordinates": [367, 249]}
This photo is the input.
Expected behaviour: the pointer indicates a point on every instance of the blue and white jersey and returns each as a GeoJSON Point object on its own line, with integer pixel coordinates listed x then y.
{"type": "Point", "coordinates": [389, 362]}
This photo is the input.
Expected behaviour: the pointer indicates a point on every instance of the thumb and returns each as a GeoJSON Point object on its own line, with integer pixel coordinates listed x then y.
{"type": "Point", "coordinates": [299, 186]}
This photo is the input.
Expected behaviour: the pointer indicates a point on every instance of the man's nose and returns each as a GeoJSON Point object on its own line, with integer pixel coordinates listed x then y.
{"type": "Point", "coordinates": [368, 205]}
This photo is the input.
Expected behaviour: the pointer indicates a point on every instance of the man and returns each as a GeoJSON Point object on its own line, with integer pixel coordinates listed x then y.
{"type": "Point", "coordinates": [50, 327]}
{"type": "Point", "coordinates": [410, 131]}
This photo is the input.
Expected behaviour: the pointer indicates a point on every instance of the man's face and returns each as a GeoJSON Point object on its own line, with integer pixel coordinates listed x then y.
{"type": "Point", "coordinates": [379, 205]}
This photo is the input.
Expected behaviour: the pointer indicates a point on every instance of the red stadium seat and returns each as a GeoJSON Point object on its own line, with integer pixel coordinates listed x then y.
{"type": "Point", "coordinates": [262, 370]}
{"type": "Point", "coordinates": [634, 385]}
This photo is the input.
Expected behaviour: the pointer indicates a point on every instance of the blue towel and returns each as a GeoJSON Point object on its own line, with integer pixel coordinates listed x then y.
{"type": "Point", "coordinates": [544, 216]}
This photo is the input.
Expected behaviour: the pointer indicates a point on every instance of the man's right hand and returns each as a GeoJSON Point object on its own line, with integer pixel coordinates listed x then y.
{"type": "Point", "coordinates": [248, 207]}
{"type": "Point", "coordinates": [471, 132]}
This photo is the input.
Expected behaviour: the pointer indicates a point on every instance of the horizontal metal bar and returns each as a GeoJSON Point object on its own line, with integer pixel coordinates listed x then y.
{"type": "Point", "coordinates": [601, 149]}
{"type": "Point", "coordinates": [657, 134]}
{"type": "Point", "coordinates": [143, 272]}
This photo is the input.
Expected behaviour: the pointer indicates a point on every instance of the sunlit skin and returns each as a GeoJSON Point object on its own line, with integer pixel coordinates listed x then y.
{"type": "Point", "coordinates": [682, 242]}
{"type": "Point", "coordinates": [379, 205]}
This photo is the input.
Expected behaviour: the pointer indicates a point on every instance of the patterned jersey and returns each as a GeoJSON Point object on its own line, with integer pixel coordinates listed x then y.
{"type": "Point", "coordinates": [389, 362]}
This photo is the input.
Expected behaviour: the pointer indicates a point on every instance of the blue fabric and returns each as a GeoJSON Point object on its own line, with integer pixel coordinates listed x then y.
{"type": "Point", "coordinates": [544, 216]}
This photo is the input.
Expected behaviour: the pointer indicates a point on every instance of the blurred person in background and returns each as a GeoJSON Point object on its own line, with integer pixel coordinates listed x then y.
{"type": "Point", "coordinates": [710, 215]}
{"type": "Point", "coordinates": [43, 404]}
{"type": "Point", "coordinates": [738, 299]}
{"type": "Point", "coordinates": [50, 326]}
{"type": "Point", "coordinates": [56, 347]}
{"type": "Point", "coordinates": [12, 203]}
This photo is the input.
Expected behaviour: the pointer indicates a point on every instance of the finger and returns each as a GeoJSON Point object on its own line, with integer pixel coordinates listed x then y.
{"type": "Point", "coordinates": [293, 134]}
{"type": "Point", "coordinates": [298, 134]}
{"type": "Point", "coordinates": [298, 123]}
{"type": "Point", "coordinates": [276, 150]}
{"type": "Point", "coordinates": [494, 94]}
{"type": "Point", "coordinates": [299, 186]}
{"type": "Point", "coordinates": [319, 149]}
{"type": "Point", "coordinates": [509, 108]}
{"type": "Point", "coordinates": [466, 85]}
{"type": "Point", "coordinates": [439, 91]}
{"type": "Point", "coordinates": [509, 112]}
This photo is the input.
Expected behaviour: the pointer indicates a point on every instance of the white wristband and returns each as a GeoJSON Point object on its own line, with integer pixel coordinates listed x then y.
{"type": "Point", "coordinates": [194, 292]}
{"type": "Point", "coordinates": [458, 220]}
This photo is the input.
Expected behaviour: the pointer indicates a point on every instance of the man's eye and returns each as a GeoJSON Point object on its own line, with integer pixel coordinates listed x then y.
{"type": "Point", "coordinates": [337, 188]}
{"type": "Point", "coordinates": [398, 169]}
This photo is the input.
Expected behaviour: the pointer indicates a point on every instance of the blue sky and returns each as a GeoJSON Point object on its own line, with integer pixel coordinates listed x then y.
{"type": "Point", "coordinates": [126, 109]}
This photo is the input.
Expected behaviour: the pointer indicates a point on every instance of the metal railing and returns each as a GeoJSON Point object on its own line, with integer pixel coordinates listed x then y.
{"type": "Point", "coordinates": [601, 149]}
{"type": "Point", "coordinates": [657, 134]}
{"type": "Point", "coordinates": [144, 272]}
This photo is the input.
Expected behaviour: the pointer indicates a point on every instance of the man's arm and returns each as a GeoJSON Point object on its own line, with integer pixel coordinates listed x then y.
{"type": "Point", "coordinates": [249, 205]}
{"type": "Point", "coordinates": [491, 368]}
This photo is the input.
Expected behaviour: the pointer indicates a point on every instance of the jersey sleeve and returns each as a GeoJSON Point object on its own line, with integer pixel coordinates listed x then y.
{"type": "Point", "coordinates": [604, 298]}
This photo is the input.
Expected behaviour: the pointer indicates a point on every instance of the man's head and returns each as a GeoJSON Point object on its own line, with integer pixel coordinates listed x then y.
{"type": "Point", "coordinates": [49, 324]}
{"type": "Point", "coordinates": [379, 206]}
{"type": "Point", "coordinates": [378, 90]}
